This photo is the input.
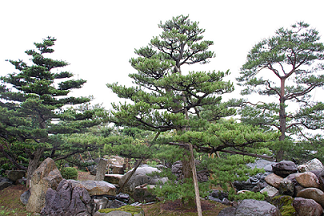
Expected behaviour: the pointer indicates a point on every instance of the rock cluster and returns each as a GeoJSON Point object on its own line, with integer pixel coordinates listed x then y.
{"type": "Point", "coordinates": [304, 184]}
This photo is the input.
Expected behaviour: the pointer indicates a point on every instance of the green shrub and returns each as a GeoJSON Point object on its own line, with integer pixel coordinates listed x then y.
{"type": "Point", "coordinates": [246, 195]}
{"type": "Point", "coordinates": [69, 173]}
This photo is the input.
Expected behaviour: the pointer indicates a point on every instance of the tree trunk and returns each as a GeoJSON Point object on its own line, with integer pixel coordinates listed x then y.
{"type": "Point", "coordinates": [282, 120]}
{"type": "Point", "coordinates": [34, 163]}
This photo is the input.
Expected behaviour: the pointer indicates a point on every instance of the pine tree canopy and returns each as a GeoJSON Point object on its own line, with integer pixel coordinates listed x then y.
{"type": "Point", "coordinates": [166, 98]}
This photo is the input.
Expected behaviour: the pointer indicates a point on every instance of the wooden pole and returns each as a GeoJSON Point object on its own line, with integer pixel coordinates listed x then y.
{"type": "Point", "coordinates": [195, 180]}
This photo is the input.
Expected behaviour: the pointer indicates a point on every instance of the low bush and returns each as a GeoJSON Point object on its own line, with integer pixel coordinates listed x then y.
{"type": "Point", "coordinates": [69, 173]}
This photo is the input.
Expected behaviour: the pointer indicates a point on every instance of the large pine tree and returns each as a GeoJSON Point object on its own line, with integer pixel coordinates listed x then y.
{"type": "Point", "coordinates": [289, 67]}
{"type": "Point", "coordinates": [33, 106]}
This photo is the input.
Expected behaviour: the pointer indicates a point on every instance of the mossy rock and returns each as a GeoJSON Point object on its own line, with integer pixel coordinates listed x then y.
{"type": "Point", "coordinates": [133, 210]}
{"type": "Point", "coordinates": [284, 204]}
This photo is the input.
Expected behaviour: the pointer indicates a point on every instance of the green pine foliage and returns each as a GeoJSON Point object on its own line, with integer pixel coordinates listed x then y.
{"type": "Point", "coordinates": [69, 173]}
{"type": "Point", "coordinates": [229, 168]}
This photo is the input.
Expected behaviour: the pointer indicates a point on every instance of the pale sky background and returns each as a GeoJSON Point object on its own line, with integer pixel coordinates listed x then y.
{"type": "Point", "coordinates": [98, 37]}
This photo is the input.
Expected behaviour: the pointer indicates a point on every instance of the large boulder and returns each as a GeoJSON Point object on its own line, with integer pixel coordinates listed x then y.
{"type": "Point", "coordinates": [67, 200]}
{"type": "Point", "coordinates": [95, 187]}
{"type": "Point", "coordinates": [284, 168]}
{"type": "Point", "coordinates": [256, 208]}
{"type": "Point", "coordinates": [307, 179]}
{"type": "Point", "coordinates": [273, 180]}
{"type": "Point", "coordinates": [306, 207]}
{"type": "Point", "coordinates": [45, 176]}
{"type": "Point", "coordinates": [312, 193]}
{"type": "Point", "coordinates": [140, 177]}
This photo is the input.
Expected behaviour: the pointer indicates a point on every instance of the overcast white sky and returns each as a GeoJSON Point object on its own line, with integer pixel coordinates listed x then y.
{"type": "Point", "coordinates": [98, 37]}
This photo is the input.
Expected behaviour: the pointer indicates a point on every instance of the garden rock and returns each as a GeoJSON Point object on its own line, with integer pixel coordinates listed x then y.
{"type": "Point", "coordinates": [101, 169]}
{"type": "Point", "coordinates": [115, 204]}
{"type": "Point", "coordinates": [320, 176]}
{"type": "Point", "coordinates": [312, 193]}
{"type": "Point", "coordinates": [284, 168]}
{"type": "Point", "coordinates": [4, 183]}
{"type": "Point", "coordinates": [24, 197]}
{"type": "Point", "coordinates": [67, 200]}
{"type": "Point", "coordinates": [306, 207]}
{"type": "Point", "coordinates": [256, 208]}
{"type": "Point", "coordinates": [271, 191]}
{"type": "Point", "coordinates": [95, 187]}
{"type": "Point", "coordinates": [311, 165]}
{"type": "Point", "coordinates": [45, 176]}
{"type": "Point", "coordinates": [255, 183]}
{"type": "Point", "coordinates": [15, 175]}
{"type": "Point", "coordinates": [113, 178]}
{"type": "Point", "coordinates": [307, 179]}
{"type": "Point", "coordinates": [261, 163]}
{"type": "Point", "coordinates": [140, 177]}
{"type": "Point", "coordinates": [219, 194]}
{"type": "Point", "coordinates": [273, 180]}
{"type": "Point", "coordinates": [227, 211]}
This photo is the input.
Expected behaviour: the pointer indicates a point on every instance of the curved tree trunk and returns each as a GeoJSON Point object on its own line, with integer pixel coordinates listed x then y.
{"type": "Point", "coordinates": [34, 163]}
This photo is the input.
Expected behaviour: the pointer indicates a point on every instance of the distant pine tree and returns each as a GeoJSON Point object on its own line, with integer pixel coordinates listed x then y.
{"type": "Point", "coordinates": [33, 104]}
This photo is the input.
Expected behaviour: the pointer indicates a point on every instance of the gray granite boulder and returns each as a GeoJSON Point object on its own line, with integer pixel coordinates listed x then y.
{"type": "Point", "coordinates": [256, 208]}
{"type": "Point", "coordinates": [140, 177]}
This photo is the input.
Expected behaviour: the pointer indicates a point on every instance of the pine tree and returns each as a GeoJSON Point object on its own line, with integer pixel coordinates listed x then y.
{"type": "Point", "coordinates": [33, 106]}
{"type": "Point", "coordinates": [293, 57]}
{"type": "Point", "coordinates": [164, 97]}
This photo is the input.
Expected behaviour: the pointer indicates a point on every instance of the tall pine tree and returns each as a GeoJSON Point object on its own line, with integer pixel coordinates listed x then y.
{"type": "Point", "coordinates": [288, 66]}
{"type": "Point", "coordinates": [164, 97]}
{"type": "Point", "coordinates": [32, 106]}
